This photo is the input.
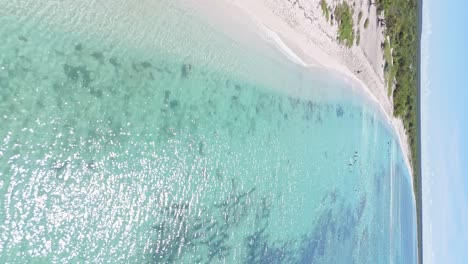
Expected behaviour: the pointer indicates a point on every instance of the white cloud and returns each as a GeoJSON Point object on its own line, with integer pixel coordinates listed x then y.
{"type": "Point", "coordinates": [425, 49]}
{"type": "Point", "coordinates": [445, 211]}
{"type": "Point", "coordinates": [444, 190]}
{"type": "Point", "coordinates": [427, 171]}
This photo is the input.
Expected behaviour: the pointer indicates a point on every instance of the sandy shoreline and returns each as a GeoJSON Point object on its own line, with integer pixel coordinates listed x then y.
{"type": "Point", "coordinates": [300, 30]}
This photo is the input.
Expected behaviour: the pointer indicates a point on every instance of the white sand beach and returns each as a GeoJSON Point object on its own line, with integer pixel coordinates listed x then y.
{"type": "Point", "coordinates": [301, 31]}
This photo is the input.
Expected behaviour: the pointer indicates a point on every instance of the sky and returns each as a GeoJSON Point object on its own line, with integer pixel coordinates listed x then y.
{"type": "Point", "coordinates": [444, 110]}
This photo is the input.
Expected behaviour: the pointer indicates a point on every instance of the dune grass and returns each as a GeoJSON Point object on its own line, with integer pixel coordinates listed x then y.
{"type": "Point", "coordinates": [325, 10]}
{"type": "Point", "coordinates": [344, 17]}
{"type": "Point", "coordinates": [366, 23]}
{"type": "Point", "coordinates": [389, 69]}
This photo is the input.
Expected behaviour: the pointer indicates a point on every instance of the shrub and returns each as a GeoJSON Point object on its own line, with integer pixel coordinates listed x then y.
{"type": "Point", "coordinates": [366, 23]}
{"type": "Point", "coordinates": [325, 10]}
{"type": "Point", "coordinates": [345, 24]}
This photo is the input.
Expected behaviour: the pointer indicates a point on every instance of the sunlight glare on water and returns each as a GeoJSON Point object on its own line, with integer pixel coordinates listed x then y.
{"type": "Point", "coordinates": [129, 141]}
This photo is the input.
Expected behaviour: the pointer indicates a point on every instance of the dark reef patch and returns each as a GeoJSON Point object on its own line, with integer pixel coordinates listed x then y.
{"type": "Point", "coordinates": [114, 62]}
{"type": "Point", "coordinates": [78, 73]}
{"type": "Point", "coordinates": [96, 92]}
{"type": "Point", "coordinates": [79, 47]}
{"type": "Point", "coordinates": [146, 64]}
{"type": "Point", "coordinates": [186, 70]}
{"type": "Point", "coordinates": [201, 147]}
{"type": "Point", "coordinates": [339, 111]}
{"type": "Point", "coordinates": [167, 95]}
{"type": "Point", "coordinates": [174, 104]}
{"type": "Point", "coordinates": [210, 231]}
{"type": "Point", "coordinates": [98, 56]}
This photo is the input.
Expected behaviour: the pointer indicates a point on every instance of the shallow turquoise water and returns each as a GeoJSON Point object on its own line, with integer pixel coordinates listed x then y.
{"type": "Point", "coordinates": [190, 149]}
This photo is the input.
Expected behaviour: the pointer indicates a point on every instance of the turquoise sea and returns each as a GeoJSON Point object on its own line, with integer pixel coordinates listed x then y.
{"type": "Point", "coordinates": [142, 132]}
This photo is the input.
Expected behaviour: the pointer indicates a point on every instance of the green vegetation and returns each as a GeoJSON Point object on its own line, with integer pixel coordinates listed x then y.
{"type": "Point", "coordinates": [344, 18]}
{"type": "Point", "coordinates": [325, 10]}
{"type": "Point", "coordinates": [389, 69]}
{"type": "Point", "coordinates": [401, 20]}
{"type": "Point", "coordinates": [366, 23]}
{"type": "Point", "coordinates": [401, 27]}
